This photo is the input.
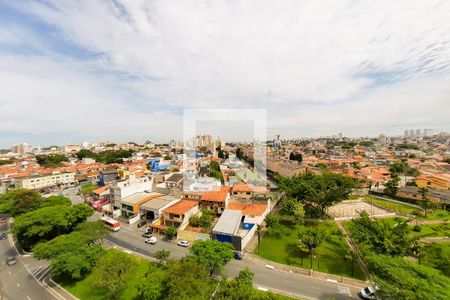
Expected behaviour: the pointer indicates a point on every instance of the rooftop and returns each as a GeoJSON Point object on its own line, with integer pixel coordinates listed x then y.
{"type": "Point", "coordinates": [229, 222]}
{"type": "Point", "coordinates": [181, 207]}
{"type": "Point", "coordinates": [139, 197]}
{"type": "Point", "coordinates": [217, 196]}
{"type": "Point", "coordinates": [249, 209]}
{"type": "Point", "coordinates": [159, 202]}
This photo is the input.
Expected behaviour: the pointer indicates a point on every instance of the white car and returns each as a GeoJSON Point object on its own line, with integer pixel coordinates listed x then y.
{"type": "Point", "coordinates": [183, 243]}
{"type": "Point", "coordinates": [151, 240]}
{"type": "Point", "coordinates": [367, 293]}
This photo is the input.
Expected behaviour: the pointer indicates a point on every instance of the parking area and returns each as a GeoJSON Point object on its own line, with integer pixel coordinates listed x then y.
{"type": "Point", "coordinates": [352, 208]}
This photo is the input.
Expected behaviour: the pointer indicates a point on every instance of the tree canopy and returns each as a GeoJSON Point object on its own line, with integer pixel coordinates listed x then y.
{"type": "Point", "coordinates": [212, 254]}
{"type": "Point", "coordinates": [70, 254]}
{"type": "Point", "coordinates": [51, 161]}
{"type": "Point", "coordinates": [380, 237]}
{"type": "Point", "coordinates": [321, 191]}
{"type": "Point", "coordinates": [46, 223]}
{"type": "Point", "coordinates": [107, 157]}
{"type": "Point", "coordinates": [112, 272]}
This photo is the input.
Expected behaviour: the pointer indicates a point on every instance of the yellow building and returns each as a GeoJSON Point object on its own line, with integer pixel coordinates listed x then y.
{"type": "Point", "coordinates": [437, 181]}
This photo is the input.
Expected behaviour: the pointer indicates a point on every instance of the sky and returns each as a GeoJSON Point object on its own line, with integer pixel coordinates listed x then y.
{"type": "Point", "coordinates": [124, 70]}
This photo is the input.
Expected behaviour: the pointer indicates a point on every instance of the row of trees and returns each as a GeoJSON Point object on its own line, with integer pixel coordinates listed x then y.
{"type": "Point", "coordinates": [106, 157]}
{"type": "Point", "coordinates": [51, 161]}
{"type": "Point", "coordinates": [20, 201]}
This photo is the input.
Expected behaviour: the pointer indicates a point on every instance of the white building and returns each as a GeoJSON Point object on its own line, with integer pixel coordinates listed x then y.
{"type": "Point", "coordinates": [127, 187]}
{"type": "Point", "coordinates": [39, 182]}
{"type": "Point", "coordinates": [428, 132]}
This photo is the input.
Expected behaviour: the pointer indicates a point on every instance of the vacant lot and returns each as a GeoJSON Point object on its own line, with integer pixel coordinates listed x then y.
{"type": "Point", "coordinates": [330, 256]}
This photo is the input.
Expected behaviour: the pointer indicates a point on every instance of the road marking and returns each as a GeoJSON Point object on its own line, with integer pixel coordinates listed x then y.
{"type": "Point", "coordinates": [9, 273]}
{"type": "Point", "coordinates": [343, 290]}
{"type": "Point", "coordinates": [47, 269]}
{"type": "Point", "coordinates": [28, 297]}
{"type": "Point", "coordinates": [18, 285]}
{"type": "Point", "coordinates": [269, 267]}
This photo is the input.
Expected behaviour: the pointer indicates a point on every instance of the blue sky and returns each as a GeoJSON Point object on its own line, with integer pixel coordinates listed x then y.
{"type": "Point", "coordinates": [125, 70]}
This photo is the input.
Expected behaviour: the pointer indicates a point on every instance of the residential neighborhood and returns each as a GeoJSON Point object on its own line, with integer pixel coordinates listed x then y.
{"type": "Point", "coordinates": [224, 150]}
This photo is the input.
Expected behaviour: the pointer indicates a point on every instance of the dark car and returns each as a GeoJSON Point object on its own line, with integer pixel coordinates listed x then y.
{"type": "Point", "coordinates": [3, 236]}
{"type": "Point", "coordinates": [147, 235]}
{"type": "Point", "coordinates": [238, 255]}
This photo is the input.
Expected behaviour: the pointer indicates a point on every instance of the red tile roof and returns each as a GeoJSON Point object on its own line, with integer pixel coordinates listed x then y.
{"type": "Point", "coordinates": [242, 188]}
{"type": "Point", "coordinates": [214, 196]}
{"type": "Point", "coordinates": [181, 207]}
{"type": "Point", "coordinates": [249, 209]}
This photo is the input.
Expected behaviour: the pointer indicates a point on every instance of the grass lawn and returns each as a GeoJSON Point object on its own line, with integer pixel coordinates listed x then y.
{"type": "Point", "coordinates": [84, 291]}
{"type": "Point", "coordinates": [437, 214]}
{"type": "Point", "coordinates": [432, 230]}
{"type": "Point", "coordinates": [428, 230]}
{"type": "Point", "coordinates": [88, 188]}
{"type": "Point", "coordinates": [397, 207]}
{"type": "Point", "coordinates": [330, 255]}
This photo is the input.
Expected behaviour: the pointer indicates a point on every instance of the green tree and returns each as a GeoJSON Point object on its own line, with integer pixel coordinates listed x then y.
{"type": "Point", "coordinates": [381, 237]}
{"type": "Point", "coordinates": [212, 254]}
{"type": "Point", "coordinates": [46, 223]}
{"type": "Point", "coordinates": [152, 286]}
{"type": "Point", "coordinates": [351, 256]}
{"type": "Point", "coordinates": [69, 255]}
{"type": "Point", "coordinates": [54, 200]}
{"type": "Point", "coordinates": [239, 153]}
{"type": "Point", "coordinates": [311, 237]}
{"type": "Point", "coordinates": [240, 288]}
{"type": "Point", "coordinates": [93, 231]}
{"type": "Point", "coordinates": [391, 186]}
{"type": "Point", "coordinates": [25, 201]}
{"type": "Point", "coordinates": [319, 191]}
{"type": "Point", "coordinates": [187, 279]}
{"type": "Point", "coordinates": [437, 255]}
{"type": "Point", "coordinates": [162, 255]}
{"type": "Point", "coordinates": [272, 220]}
{"type": "Point", "coordinates": [112, 273]}
{"type": "Point", "coordinates": [292, 208]}
{"type": "Point", "coordinates": [51, 161]}
{"type": "Point", "coordinates": [214, 170]}
{"type": "Point", "coordinates": [171, 232]}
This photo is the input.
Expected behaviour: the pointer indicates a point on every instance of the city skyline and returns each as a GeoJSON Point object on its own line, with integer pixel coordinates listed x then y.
{"type": "Point", "coordinates": [125, 71]}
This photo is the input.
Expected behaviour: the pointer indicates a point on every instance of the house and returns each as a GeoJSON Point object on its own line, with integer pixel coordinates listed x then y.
{"type": "Point", "coordinates": [254, 213]}
{"type": "Point", "coordinates": [242, 191]}
{"type": "Point", "coordinates": [178, 214]}
{"type": "Point", "coordinates": [216, 201]}
{"type": "Point", "coordinates": [437, 181]}
{"type": "Point", "coordinates": [174, 181]}
{"type": "Point", "coordinates": [153, 208]}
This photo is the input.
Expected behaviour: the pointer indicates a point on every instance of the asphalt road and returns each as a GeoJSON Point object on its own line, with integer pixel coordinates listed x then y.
{"type": "Point", "coordinates": [16, 282]}
{"type": "Point", "coordinates": [277, 280]}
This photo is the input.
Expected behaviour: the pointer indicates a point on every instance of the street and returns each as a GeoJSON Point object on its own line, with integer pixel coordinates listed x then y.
{"type": "Point", "coordinates": [291, 284]}
{"type": "Point", "coordinates": [17, 282]}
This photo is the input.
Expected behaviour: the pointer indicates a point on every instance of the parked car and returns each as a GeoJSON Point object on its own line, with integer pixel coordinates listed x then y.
{"type": "Point", "coordinates": [11, 260]}
{"type": "Point", "coordinates": [147, 235]}
{"type": "Point", "coordinates": [3, 236]}
{"type": "Point", "coordinates": [238, 255]}
{"type": "Point", "coordinates": [367, 293]}
{"type": "Point", "coordinates": [152, 240]}
{"type": "Point", "coordinates": [183, 243]}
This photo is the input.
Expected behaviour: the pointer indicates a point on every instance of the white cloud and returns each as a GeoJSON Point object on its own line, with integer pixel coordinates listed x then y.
{"type": "Point", "coordinates": [290, 57]}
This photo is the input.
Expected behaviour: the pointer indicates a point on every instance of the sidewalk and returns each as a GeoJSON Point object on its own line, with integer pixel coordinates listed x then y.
{"type": "Point", "coordinates": [315, 274]}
